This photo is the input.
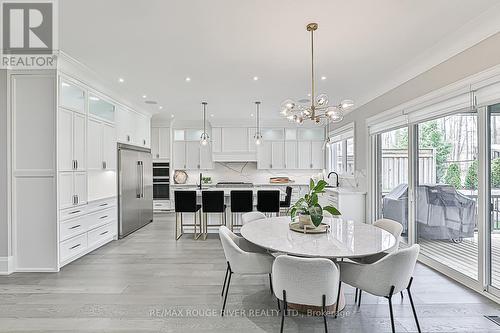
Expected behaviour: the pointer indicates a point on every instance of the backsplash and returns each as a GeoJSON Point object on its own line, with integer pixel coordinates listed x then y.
{"type": "Point", "coordinates": [248, 172]}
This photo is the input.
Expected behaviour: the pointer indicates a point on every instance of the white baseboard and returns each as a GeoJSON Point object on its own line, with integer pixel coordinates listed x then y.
{"type": "Point", "coordinates": [6, 265]}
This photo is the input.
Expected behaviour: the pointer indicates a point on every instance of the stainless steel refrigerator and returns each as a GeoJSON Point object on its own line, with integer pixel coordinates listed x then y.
{"type": "Point", "coordinates": [135, 188]}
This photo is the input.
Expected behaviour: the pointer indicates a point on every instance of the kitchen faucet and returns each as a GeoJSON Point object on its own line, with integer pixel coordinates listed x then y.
{"type": "Point", "coordinates": [336, 174]}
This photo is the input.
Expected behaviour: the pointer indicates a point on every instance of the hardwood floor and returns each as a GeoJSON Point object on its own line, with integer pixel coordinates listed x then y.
{"type": "Point", "coordinates": [148, 282]}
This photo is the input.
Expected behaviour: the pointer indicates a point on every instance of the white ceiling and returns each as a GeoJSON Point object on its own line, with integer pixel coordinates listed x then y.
{"type": "Point", "coordinates": [363, 47]}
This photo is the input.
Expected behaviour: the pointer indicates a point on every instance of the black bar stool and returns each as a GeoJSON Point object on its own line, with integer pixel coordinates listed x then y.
{"type": "Point", "coordinates": [241, 202]}
{"type": "Point", "coordinates": [212, 202]}
{"type": "Point", "coordinates": [285, 204]}
{"type": "Point", "coordinates": [185, 202]}
{"type": "Point", "coordinates": [268, 201]}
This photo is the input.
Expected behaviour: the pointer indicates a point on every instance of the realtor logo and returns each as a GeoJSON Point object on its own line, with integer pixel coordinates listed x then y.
{"type": "Point", "coordinates": [28, 34]}
{"type": "Point", "coordinates": [27, 28]}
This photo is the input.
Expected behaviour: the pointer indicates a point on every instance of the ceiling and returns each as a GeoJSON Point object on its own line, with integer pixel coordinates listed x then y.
{"type": "Point", "coordinates": [363, 48]}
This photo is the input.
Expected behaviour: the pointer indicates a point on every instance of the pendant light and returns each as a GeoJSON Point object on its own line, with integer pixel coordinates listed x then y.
{"type": "Point", "coordinates": [204, 138]}
{"type": "Point", "coordinates": [258, 135]}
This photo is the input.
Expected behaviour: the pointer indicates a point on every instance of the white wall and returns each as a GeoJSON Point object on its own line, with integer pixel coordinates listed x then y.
{"type": "Point", "coordinates": [4, 232]}
{"type": "Point", "coordinates": [247, 172]}
{"type": "Point", "coordinates": [480, 57]}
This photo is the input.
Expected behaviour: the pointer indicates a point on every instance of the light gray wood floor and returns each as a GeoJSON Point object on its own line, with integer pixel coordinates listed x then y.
{"type": "Point", "coordinates": [148, 282]}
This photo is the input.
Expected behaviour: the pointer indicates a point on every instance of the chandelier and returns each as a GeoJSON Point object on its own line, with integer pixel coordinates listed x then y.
{"type": "Point", "coordinates": [319, 109]}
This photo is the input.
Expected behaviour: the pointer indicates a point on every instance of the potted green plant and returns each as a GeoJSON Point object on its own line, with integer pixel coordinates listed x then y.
{"type": "Point", "coordinates": [309, 210]}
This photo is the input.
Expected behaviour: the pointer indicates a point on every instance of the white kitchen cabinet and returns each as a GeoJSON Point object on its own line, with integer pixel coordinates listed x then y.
{"type": "Point", "coordinates": [317, 155]}
{"type": "Point", "coordinates": [304, 154]}
{"type": "Point", "coordinates": [133, 128]}
{"type": "Point", "coordinates": [252, 147]}
{"type": "Point", "coordinates": [192, 155]}
{"type": "Point", "coordinates": [278, 155]}
{"type": "Point", "coordinates": [94, 145]}
{"type": "Point", "coordinates": [206, 161]}
{"type": "Point", "coordinates": [350, 202]}
{"type": "Point", "coordinates": [71, 140]}
{"type": "Point", "coordinates": [310, 155]}
{"type": "Point", "coordinates": [72, 189]}
{"type": "Point", "coordinates": [101, 109]}
{"type": "Point", "coordinates": [101, 152]}
{"type": "Point", "coordinates": [265, 155]}
{"type": "Point", "coordinates": [160, 142]}
{"type": "Point", "coordinates": [291, 155]}
{"type": "Point", "coordinates": [72, 97]}
{"type": "Point", "coordinates": [109, 147]}
{"type": "Point", "coordinates": [179, 155]}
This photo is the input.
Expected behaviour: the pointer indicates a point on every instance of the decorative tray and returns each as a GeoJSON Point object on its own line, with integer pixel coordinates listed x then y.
{"type": "Point", "coordinates": [308, 229]}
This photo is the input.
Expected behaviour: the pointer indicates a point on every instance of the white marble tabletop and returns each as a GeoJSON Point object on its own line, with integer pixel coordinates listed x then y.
{"type": "Point", "coordinates": [346, 239]}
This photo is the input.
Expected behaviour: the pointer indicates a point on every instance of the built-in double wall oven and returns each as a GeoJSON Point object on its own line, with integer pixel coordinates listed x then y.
{"type": "Point", "coordinates": [161, 181]}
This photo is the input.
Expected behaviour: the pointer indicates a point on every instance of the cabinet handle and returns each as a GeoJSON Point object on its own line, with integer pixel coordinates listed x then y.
{"type": "Point", "coordinates": [74, 212]}
{"type": "Point", "coordinates": [104, 165]}
{"type": "Point", "coordinates": [75, 226]}
{"type": "Point", "coordinates": [77, 199]}
{"type": "Point", "coordinates": [75, 246]}
{"type": "Point", "coordinates": [143, 142]}
{"type": "Point", "coordinates": [157, 155]}
{"type": "Point", "coordinates": [103, 233]}
{"type": "Point", "coordinates": [74, 199]}
{"type": "Point", "coordinates": [102, 205]}
{"type": "Point", "coordinates": [128, 138]}
{"type": "Point", "coordinates": [103, 217]}
{"type": "Point", "coordinates": [76, 164]}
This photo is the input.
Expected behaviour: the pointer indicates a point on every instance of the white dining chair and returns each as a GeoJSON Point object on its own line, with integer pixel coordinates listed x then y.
{"type": "Point", "coordinates": [391, 226]}
{"type": "Point", "coordinates": [243, 258]}
{"type": "Point", "coordinates": [308, 281]}
{"type": "Point", "coordinates": [251, 216]}
{"type": "Point", "coordinates": [386, 277]}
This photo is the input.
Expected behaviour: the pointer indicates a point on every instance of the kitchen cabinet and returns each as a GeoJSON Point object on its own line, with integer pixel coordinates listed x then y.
{"type": "Point", "coordinates": [101, 146]}
{"type": "Point", "coordinates": [190, 155]}
{"type": "Point", "coordinates": [160, 143]}
{"type": "Point", "coordinates": [234, 139]}
{"type": "Point", "coordinates": [179, 155]}
{"type": "Point", "coordinates": [349, 201]}
{"type": "Point", "coordinates": [72, 97]}
{"type": "Point", "coordinates": [133, 128]}
{"type": "Point", "coordinates": [72, 189]}
{"type": "Point", "coordinates": [291, 155]}
{"type": "Point", "coordinates": [278, 155]}
{"type": "Point", "coordinates": [101, 109]}
{"type": "Point", "coordinates": [310, 155]}
{"type": "Point", "coordinates": [252, 147]}
{"type": "Point", "coordinates": [71, 128]}
{"type": "Point", "coordinates": [265, 155]}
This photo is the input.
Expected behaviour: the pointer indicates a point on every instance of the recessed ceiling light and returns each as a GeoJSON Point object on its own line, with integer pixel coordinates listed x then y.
{"type": "Point", "coordinates": [160, 107]}
{"type": "Point", "coordinates": [172, 116]}
{"type": "Point", "coordinates": [255, 78]}
{"type": "Point", "coordinates": [308, 95]}
{"type": "Point", "coordinates": [323, 78]}
{"type": "Point", "coordinates": [251, 115]}
{"type": "Point", "coordinates": [121, 80]}
{"type": "Point", "coordinates": [188, 79]}
{"type": "Point", "coordinates": [212, 115]}
{"type": "Point", "coordinates": [144, 96]}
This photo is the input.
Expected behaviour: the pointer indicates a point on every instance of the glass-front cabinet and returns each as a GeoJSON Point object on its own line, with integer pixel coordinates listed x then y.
{"type": "Point", "coordinates": [101, 108]}
{"type": "Point", "coordinates": [72, 97]}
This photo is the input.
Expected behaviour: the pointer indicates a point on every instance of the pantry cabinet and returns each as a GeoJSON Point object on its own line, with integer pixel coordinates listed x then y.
{"type": "Point", "coordinates": [101, 153]}
{"type": "Point", "coordinates": [71, 141]}
{"type": "Point", "coordinates": [160, 143]}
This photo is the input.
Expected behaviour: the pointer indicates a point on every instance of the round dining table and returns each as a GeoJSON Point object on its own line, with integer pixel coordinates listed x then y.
{"type": "Point", "coordinates": [344, 239]}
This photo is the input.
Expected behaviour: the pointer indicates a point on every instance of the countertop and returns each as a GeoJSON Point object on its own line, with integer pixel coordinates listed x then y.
{"type": "Point", "coordinates": [345, 190]}
{"type": "Point", "coordinates": [254, 184]}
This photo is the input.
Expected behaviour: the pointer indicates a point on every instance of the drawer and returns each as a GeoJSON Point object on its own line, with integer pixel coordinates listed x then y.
{"type": "Point", "coordinates": [73, 227]}
{"type": "Point", "coordinates": [102, 233]}
{"type": "Point", "coordinates": [72, 247]}
{"type": "Point", "coordinates": [73, 212]}
{"type": "Point", "coordinates": [101, 204]}
{"type": "Point", "coordinates": [99, 218]}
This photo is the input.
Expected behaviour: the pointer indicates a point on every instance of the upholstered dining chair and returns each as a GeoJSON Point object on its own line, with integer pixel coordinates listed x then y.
{"type": "Point", "coordinates": [309, 281]}
{"type": "Point", "coordinates": [243, 258]}
{"type": "Point", "coordinates": [394, 228]}
{"type": "Point", "coordinates": [251, 216]}
{"type": "Point", "coordinates": [386, 277]}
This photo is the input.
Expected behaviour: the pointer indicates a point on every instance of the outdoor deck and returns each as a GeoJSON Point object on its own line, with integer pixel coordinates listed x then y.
{"type": "Point", "coordinates": [463, 257]}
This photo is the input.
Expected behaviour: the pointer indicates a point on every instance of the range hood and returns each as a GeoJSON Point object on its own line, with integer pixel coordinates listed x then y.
{"type": "Point", "coordinates": [235, 156]}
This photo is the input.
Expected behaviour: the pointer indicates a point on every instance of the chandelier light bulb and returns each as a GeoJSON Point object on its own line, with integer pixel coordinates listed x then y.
{"type": "Point", "coordinates": [322, 100]}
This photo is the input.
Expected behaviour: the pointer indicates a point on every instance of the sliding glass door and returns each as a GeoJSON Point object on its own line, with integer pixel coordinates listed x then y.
{"type": "Point", "coordinates": [446, 191]}
{"type": "Point", "coordinates": [493, 227]}
{"type": "Point", "coordinates": [393, 177]}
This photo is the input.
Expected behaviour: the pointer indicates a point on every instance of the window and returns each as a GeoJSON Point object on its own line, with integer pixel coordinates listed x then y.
{"type": "Point", "coordinates": [341, 150]}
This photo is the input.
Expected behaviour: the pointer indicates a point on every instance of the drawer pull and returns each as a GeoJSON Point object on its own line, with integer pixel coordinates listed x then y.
{"type": "Point", "coordinates": [103, 217]}
{"type": "Point", "coordinates": [103, 233]}
{"type": "Point", "coordinates": [74, 212]}
{"type": "Point", "coordinates": [102, 205]}
{"type": "Point", "coordinates": [75, 226]}
{"type": "Point", "coordinates": [74, 246]}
